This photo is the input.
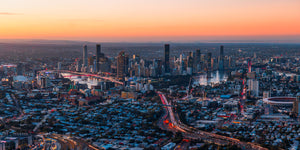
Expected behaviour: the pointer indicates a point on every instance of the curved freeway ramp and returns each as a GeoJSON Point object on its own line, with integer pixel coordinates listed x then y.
{"type": "Point", "coordinates": [193, 133]}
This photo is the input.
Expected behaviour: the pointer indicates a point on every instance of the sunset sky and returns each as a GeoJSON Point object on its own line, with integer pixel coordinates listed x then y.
{"type": "Point", "coordinates": [150, 20]}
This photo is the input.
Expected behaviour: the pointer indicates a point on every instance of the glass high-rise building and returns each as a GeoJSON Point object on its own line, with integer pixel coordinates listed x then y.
{"type": "Point", "coordinates": [197, 60]}
{"type": "Point", "coordinates": [167, 58]}
{"type": "Point", "coordinates": [221, 58]}
{"type": "Point", "coordinates": [98, 55]}
{"type": "Point", "coordinates": [122, 65]}
{"type": "Point", "coordinates": [209, 60]}
{"type": "Point", "coordinates": [85, 56]}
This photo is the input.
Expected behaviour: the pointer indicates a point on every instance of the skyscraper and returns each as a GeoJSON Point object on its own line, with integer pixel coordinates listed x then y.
{"type": "Point", "coordinates": [222, 51]}
{"type": "Point", "coordinates": [197, 60]}
{"type": "Point", "coordinates": [98, 55]}
{"type": "Point", "coordinates": [20, 69]}
{"type": "Point", "coordinates": [78, 65]}
{"type": "Point", "coordinates": [209, 67]}
{"type": "Point", "coordinates": [167, 58]}
{"type": "Point", "coordinates": [121, 65]}
{"type": "Point", "coordinates": [221, 59]}
{"type": "Point", "coordinates": [249, 66]}
{"type": "Point", "coordinates": [198, 55]}
{"type": "Point", "coordinates": [253, 86]}
{"type": "Point", "coordinates": [190, 62]}
{"type": "Point", "coordinates": [59, 66]}
{"type": "Point", "coordinates": [85, 56]}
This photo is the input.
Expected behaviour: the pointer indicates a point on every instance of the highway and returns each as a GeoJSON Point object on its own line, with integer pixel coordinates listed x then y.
{"type": "Point", "coordinates": [73, 143]}
{"type": "Point", "coordinates": [190, 132]}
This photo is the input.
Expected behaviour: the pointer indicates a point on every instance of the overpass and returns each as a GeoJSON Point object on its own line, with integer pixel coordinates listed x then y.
{"type": "Point", "coordinates": [194, 133]}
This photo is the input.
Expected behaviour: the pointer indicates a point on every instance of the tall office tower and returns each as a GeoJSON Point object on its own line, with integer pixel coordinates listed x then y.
{"type": "Point", "coordinates": [209, 67]}
{"type": "Point", "coordinates": [95, 66]}
{"type": "Point", "coordinates": [126, 64]}
{"type": "Point", "coordinates": [221, 60]}
{"type": "Point", "coordinates": [253, 86]}
{"type": "Point", "coordinates": [159, 63]}
{"type": "Point", "coordinates": [20, 69]}
{"type": "Point", "coordinates": [44, 82]}
{"type": "Point", "coordinates": [85, 56]}
{"type": "Point", "coordinates": [222, 51]}
{"type": "Point", "coordinates": [181, 64]}
{"type": "Point", "coordinates": [98, 55]}
{"type": "Point", "coordinates": [104, 65]}
{"type": "Point", "coordinates": [59, 66]}
{"type": "Point", "coordinates": [229, 62]}
{"type": "Point", "coordinates": [78, 66]}
{"type": "Point", "coordinates": [167, 58]}
{"type": "Point", "coordinates": [249, 65]}
{"type": "Point", "coordinates": [121, 66]}
{"type": "Point", "coordinates": [190, 64]}
{"type": "Point", "coordinates": [198, 55]}
{"type": "Point", "coordinates": [152, 71]}
{"type": "Point", "coordinates": [198, 60]}
{"type": "Point", "coordinates": [142, 67]}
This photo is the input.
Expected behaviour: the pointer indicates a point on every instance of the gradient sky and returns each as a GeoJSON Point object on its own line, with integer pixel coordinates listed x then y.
{"type": "Point", "coordinates": [151, 20]}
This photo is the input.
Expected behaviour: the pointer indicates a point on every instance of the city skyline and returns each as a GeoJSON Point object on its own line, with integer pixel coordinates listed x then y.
{"type": "Point", "coordinates": [155, 21]}
{"type": "Point", "coordinates": [160, 74]}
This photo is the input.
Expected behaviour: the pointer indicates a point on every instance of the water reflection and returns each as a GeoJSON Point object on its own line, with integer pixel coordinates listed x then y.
{"type": "Point", "coordinates": [213, 78]}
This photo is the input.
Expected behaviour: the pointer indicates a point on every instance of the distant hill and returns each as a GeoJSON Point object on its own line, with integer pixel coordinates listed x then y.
{"type": "Point", "coordinates": [143, 44]}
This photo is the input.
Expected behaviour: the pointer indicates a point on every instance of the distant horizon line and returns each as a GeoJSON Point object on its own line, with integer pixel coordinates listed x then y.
{"type": "Point", "coordinates": [152, 42]}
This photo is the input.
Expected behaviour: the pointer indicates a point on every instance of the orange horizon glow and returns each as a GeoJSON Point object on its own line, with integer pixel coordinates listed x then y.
{"type": "Point", "coordinates": [98, 19]}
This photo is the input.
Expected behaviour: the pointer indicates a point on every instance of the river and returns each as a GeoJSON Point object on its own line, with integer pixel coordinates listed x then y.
{"type": "Point", "coordinates": [215, 77]}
